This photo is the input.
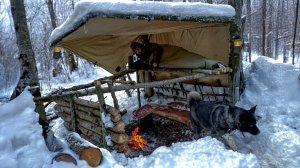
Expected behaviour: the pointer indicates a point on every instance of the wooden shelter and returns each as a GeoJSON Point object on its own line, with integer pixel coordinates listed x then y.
{"type": "Point", "coordinates": [102, 33]}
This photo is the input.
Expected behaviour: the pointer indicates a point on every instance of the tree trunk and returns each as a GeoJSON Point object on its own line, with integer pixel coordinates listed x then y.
{"type": "Point", "coordinates": [237, 4]}
{"type": "Point", "coordinates": [52, 13]}
{"type": "Point", "coordinates": [248, 6]}
{"type": "Point", "coordinates": [264, 12]}
{"type": "Point", "coordinates": [295, 31]}
{"type": "Point", "coordinates": [28, 72]}
{"type": "Point", "coordinates": [269, 24]}
{"type": "Point", "coordinates": [69, 57]}
{"type": "Point", "coordinates": [277, 28]}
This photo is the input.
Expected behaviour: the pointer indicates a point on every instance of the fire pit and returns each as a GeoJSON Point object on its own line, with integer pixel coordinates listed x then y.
{"type": "Point", "coordinates": [163, 132]}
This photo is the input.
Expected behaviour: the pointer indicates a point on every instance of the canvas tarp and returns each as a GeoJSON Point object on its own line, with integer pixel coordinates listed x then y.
{"type": "Point", "coordinates": [106, 41]}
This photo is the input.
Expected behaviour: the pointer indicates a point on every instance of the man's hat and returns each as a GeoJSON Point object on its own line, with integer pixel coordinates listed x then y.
{"type": "Point", "coordinates": [136, 45]}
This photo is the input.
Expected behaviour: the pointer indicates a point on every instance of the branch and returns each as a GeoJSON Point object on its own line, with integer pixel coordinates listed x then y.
{"type": "Point", "coordinates": [92, 91]}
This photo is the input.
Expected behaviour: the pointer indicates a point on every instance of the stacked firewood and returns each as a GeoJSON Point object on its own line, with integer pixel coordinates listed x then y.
{"type": "Point", "coordinates": [117, 132]}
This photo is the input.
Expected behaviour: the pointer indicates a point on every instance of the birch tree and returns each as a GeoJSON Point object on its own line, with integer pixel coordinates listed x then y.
{"type": "Point", "coordinates": [28, 71]}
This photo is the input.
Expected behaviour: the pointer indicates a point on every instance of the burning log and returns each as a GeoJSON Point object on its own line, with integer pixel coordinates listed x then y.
{"type": "Point", "coordinates": [90, 154]}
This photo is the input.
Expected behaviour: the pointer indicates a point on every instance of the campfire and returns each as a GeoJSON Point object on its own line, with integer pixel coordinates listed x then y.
{"type": "Point", "coordinates": [137, 142]}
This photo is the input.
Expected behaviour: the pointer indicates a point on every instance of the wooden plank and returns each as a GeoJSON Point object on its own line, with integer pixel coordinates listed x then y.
{"type": "Point", "coordinates": [88, 110]}
{"type": "Point", "coordinates": [80, 114]}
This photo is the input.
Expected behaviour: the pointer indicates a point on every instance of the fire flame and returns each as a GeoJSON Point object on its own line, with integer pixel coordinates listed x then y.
{"type": "Point", "coordinates": [136, 141]}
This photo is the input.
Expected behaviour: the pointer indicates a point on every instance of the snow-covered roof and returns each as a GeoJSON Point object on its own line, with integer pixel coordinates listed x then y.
{"type": "Point", "coordinates": [87, 9]}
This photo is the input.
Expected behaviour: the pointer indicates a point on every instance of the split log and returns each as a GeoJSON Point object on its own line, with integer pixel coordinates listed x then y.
{"type": "Point", "coordinates": [64, 157]}
{"type": "Point", "coordinates": [90, 154]}
{"type": "Point", "coordinates": [119, 127]}
{"type": "Point", "coordinates": [116, 118]}
{"type": "Point", "coordinates": [118, 138]}
{"type": "Point", "coordinates": [113, 111]}
{"type": "Point", "coordinates": [181, 116]}
{"type": "Point", "coordinates": [124, 148]}
{"type": "Point", "coordinates": [176, 115]}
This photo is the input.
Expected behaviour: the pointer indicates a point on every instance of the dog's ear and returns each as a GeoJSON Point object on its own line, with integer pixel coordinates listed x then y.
{"type": "Point", "coordinates": [252, 110]}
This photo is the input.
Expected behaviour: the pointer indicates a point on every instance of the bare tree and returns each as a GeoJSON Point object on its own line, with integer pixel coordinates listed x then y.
{"type": "Point", "coordinates": [295, 31]}
{"type": "Point", "coordinates": [264, 13]}
{"type": "Point", "coordinates": [29, 74]}
{"type": "Point", "coordinates": [69, 57]}
{"type": "Point", "coordinates": [52, 13]}
{"type": "Point", "coordinates": [237, 4]}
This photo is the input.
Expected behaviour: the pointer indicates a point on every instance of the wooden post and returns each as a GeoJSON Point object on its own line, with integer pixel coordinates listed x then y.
{"type": "Point", "coordinates": [113, 95]}
{"type": "Point", "coordinates": [126, 91]}
{"type": "Point", "coordinates": [73, 115]}
{"type": "Point", "coordinates": [100, 95]}
{"type": "Point", "coordinates": [138, 90]}
{"type": "Point", "coordinates": [101, 100]}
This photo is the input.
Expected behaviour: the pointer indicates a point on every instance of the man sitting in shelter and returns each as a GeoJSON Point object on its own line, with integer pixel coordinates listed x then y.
{"type": "Point", "coordinates": [150, 55]}
{"type": "Point", "coordinates": [145, 56]}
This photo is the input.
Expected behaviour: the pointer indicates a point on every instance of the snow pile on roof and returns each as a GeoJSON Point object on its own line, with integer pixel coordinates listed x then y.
{"type": "Point", "coordinates": [87, 9]}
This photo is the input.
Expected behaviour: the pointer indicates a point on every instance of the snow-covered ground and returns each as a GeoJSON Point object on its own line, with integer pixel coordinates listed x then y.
{"type": "Point", "coordinates": [273, 87]}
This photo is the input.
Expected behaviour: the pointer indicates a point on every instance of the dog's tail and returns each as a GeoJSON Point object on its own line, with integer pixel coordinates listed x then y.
{"type": "Point", "coordinates": [193, 97]}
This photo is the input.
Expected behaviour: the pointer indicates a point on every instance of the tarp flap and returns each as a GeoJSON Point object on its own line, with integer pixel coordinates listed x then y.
{"type": "Point", "coordinates": [106, 42]}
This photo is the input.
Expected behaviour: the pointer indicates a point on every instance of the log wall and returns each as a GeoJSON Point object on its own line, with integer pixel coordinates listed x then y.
{"type": "Point", "coordinates": [88, 123]}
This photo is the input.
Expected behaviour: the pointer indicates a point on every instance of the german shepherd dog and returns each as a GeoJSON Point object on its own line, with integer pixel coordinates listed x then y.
{"type": "Point", "coordinates": [217, 119]}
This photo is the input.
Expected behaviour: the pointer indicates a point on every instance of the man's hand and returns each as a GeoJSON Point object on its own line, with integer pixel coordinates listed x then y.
{"type": "Point", "coordinates": [154, 64]}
